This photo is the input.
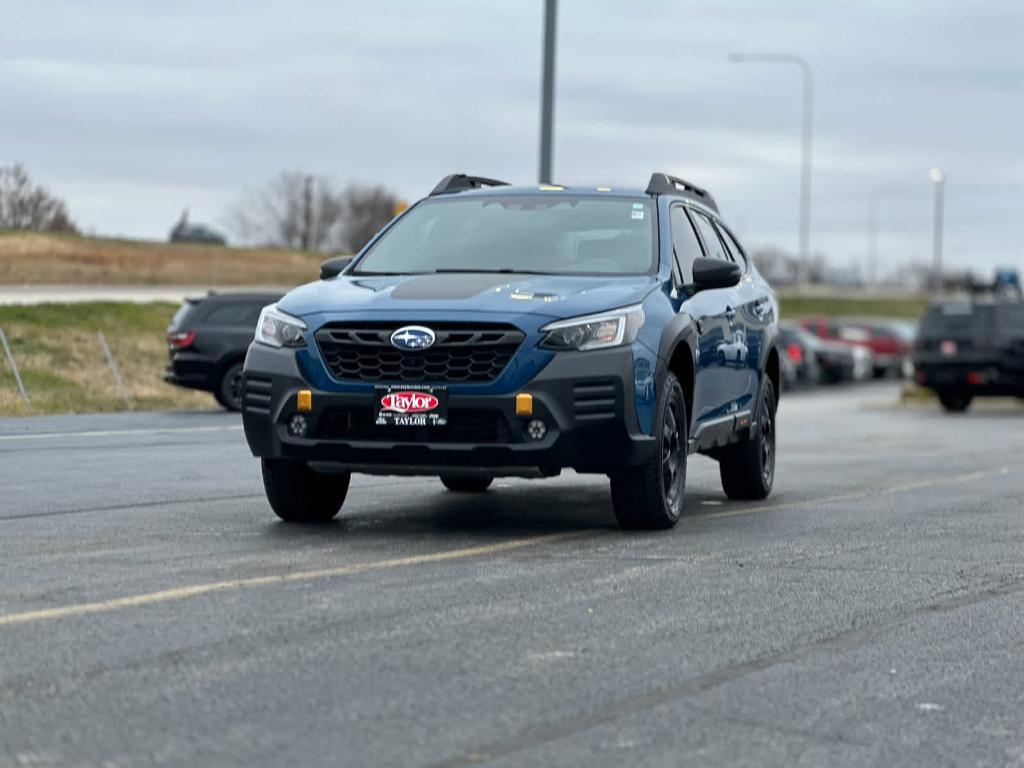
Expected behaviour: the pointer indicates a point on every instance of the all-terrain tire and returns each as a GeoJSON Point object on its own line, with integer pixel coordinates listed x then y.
{"type": "Point", "coordinates": [650, 497]}
{"type": "Point", "coordinates": [747, 469]}
{"type": "Point", "coordinates": [299, 495]}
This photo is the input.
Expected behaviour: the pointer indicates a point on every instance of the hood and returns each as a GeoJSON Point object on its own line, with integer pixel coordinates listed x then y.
{"type": "Point", "coordinates": [551, 296]}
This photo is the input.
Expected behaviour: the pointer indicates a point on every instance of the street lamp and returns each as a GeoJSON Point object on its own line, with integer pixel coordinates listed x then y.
{"type": "Point", "coordinates": [547, 93]}
{"type": "Point", "coordinates": [939, 182]}
{"type": "Point", "coordinates": [874, 199]}
{"type": "Point", "coordinates": [805, 165]}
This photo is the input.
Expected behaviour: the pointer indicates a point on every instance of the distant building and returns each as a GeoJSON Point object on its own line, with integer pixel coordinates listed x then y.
{"type": "Point", "coordinates": [185, 232]}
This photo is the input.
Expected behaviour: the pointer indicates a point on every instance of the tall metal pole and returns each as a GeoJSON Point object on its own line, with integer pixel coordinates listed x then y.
{"type": "Point", "coordinates": [939, 181]}
{"type": "Point", "coordinates": [875, 197]}
{"type": "Point", "coordinates": [547, 97]}
{"type": "Point", "coordinates": [806, 144]}
{"type": "Point", "coordinates": [872, 265]}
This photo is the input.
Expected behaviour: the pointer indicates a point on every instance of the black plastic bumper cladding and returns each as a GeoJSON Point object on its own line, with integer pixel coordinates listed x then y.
{"type": "Point", "coordinates": [586, 399]}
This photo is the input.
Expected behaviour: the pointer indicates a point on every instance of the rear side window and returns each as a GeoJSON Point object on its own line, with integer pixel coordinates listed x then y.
{"type": "Point", "coordinates": [684, 243]}
{"type": "Point", "coordinates": [233, 314]}
{"type": "Point", "coordinates": [181, 314]}
{"type": "Point", "coordinates": [712, 244]}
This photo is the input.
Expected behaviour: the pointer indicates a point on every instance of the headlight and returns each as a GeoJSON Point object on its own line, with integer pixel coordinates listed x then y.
{"type": "Point", "coordinates": [276, 329]}
{"type": "Point", "coordinates": [608, 329]}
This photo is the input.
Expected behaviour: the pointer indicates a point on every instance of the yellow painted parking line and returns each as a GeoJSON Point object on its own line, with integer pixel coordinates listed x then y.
{"type": "Point", "coordinates": [198, 590]}
{"type": "Point", "coordinates": [967, 477]}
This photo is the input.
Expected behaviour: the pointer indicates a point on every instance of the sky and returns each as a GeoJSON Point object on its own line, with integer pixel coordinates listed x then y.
{"type": "Point", "coordinates": [134, 109]}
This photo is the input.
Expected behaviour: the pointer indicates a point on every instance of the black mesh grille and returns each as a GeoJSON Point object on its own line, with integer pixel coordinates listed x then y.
{"type": "Point", "coordinates": [464, 426]}
{"type": "Point", "coordinates": [461, 353]}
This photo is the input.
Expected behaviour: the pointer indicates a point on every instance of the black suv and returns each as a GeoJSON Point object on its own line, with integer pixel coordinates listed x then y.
{"type": "Point", "coordinates": [207, 340]}
{"type": "Point", "coordinates": [970, 348]}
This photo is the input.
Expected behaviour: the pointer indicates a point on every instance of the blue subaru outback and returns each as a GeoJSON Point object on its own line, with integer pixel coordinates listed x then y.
{"type": "Point", "coordinates": [492, 330]}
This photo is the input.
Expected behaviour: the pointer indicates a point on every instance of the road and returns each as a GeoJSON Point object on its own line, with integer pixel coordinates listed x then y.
{"type": "Point", "coordinates": [153, 611]}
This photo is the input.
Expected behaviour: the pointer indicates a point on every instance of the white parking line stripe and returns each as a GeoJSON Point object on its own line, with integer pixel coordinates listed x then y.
{"type": "Point", "coordinates": [116, 432]}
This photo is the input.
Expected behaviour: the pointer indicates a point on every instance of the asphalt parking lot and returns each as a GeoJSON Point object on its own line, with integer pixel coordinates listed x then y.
{"type": "Point", "coordinates": [153, 610]}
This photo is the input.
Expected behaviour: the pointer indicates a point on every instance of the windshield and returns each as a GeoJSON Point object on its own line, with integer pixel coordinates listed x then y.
{"type": "Point", "coordinates": [542, 234]}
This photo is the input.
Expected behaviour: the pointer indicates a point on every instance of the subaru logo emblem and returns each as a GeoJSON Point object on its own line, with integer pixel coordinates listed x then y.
{"type": "Point", "coordinates": [413, 337]}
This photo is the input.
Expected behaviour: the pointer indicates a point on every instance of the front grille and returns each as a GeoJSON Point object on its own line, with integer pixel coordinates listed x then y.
{"type": "Point", "coordinates": [595, 399]}
{"type": "Point", "coordinates": [475, 353]}
{"type": "Point", "coordinates": [464, 426]}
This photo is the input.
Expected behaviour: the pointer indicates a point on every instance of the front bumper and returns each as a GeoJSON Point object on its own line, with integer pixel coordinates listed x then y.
{"type": "Point", "coordinates": [585, 399]}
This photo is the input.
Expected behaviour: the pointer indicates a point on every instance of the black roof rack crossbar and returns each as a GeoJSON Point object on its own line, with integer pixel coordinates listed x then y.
{"type": "Point", "coordinates": [458, 182]}
{"type": "Point", "coordinates": [663, 184]}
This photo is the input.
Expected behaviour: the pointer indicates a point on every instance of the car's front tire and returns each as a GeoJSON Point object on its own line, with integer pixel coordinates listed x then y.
{"type": "Point", "coordinates": [651, 496]}
{"type": "Point", "coordinates": [297, 494]}
{"type": "Point", "coordinates": [463, 484]}
{"type": "Point", "coordinates": [747, 469]}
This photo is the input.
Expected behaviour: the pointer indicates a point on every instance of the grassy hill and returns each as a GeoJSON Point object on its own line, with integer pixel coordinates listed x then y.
{"type": "Point", "coordinates": [38, 257]}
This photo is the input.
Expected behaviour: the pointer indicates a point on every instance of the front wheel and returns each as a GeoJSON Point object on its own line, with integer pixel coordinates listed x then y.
{"type": "Point", "coordinates": [747, 469]}
{"type": "Point", "coordinates": [462, 484]}
{"type": "Point", "coordinates": [297, 494]}
{"type": "Point", "coordinates": [651, 496]}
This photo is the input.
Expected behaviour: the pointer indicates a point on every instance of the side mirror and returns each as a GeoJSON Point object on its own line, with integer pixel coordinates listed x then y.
{"type": "Point", "coordinates": [334, 266]}
{"type": "Point", "coordinates": [714, 273]}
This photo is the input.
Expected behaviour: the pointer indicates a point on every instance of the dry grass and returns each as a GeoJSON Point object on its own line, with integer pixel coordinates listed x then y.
{"type": "Point", "coordinates": [34, 257]}
{"type": "Point", "coordinates": [63, 366]}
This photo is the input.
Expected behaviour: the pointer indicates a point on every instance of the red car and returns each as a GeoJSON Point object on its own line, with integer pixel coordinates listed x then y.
{"type": "Point", "coordinates": [889, 349]}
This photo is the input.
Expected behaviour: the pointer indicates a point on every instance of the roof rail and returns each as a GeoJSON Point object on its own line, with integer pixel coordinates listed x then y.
{"type": "Point", "coordinates": [458, 182]}
{"type": "Point", "coordinates": [663, 184]}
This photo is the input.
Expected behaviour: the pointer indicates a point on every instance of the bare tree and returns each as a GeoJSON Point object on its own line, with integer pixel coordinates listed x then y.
{"type": "Point", "coordinates": [295, 210]}
{"type": "Point", "coordinates": [365, 209]}
{"type": "Point", "coordinates": [299, 210]}
{"type": "Point", "coordinates": [24, 205]}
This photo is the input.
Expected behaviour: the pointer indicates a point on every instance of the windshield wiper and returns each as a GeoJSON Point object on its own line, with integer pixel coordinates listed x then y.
{"type": "Point", "coordinates": [386, 274]}
{"type": "Point", "coordinates": [502, 271]}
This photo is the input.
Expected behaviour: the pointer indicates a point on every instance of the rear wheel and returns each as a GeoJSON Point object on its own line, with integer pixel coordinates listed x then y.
{"type": "Point", "coordinates": [955, 401]}
{"type": "Point", "coordinates": [229, 388]}
{"type": "Point", "coordinates": [651, 496]}
{"type": "Point", "coordinates": [747, 469]}
{"type": "Point", "coordinates": [462, 484]}
{"type": "Point", "coordinates": [299, 495]}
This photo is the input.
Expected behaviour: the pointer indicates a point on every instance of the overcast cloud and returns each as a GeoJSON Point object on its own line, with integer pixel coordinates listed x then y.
{"type": "Point", "coordinates": [134, 110]}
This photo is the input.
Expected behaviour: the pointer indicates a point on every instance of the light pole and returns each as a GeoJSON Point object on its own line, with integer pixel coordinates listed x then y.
{"type": "Point", "coordinates": [874, 199]}
{"type": "Point", "coordinates": [806, 140]}
{"type": "Point", "coordinates": [939, 182]}
{"type": "Point", "coordinates": [547, 94]}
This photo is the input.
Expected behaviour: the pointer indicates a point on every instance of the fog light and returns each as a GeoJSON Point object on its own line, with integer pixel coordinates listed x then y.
{"type": "Point", "coordinates": [298, 425]}
{"type": "Point", "coordinates": [536, 429]}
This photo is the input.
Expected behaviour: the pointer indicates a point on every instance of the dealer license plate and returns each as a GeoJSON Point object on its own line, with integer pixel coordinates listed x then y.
{"type": "Point", "coordinates": [410, 406]}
